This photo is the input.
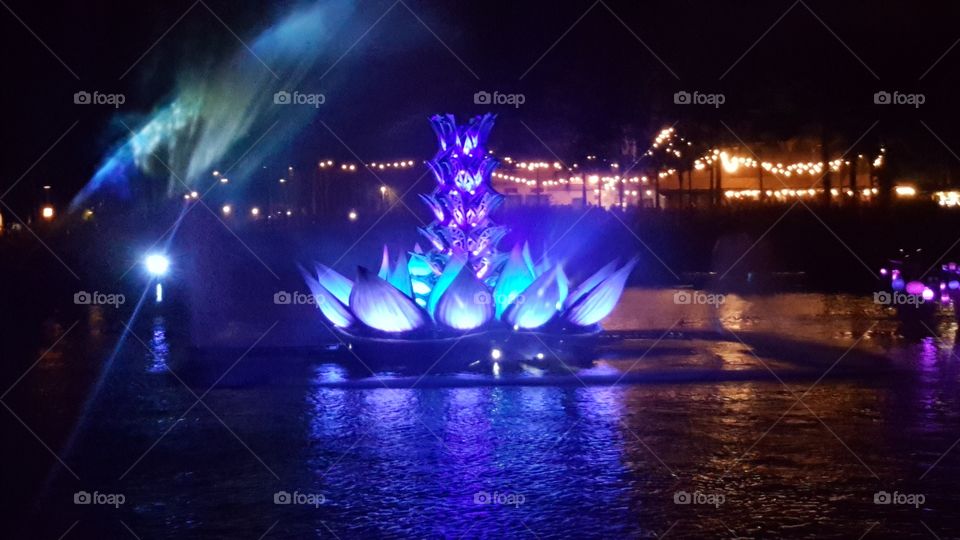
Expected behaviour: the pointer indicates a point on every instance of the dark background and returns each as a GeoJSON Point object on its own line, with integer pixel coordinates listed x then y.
{"type": "Point", "coordinates": [812, 73]}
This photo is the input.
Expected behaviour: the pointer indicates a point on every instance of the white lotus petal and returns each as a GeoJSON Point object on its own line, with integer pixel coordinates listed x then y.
{"type": "Point", "coordinates": [334, 282]}
{"type": "Point", "coordinates": [332, 309]}
{"type": "Point", "coordinates": [465, 304]}
{"type": "Point", "coordinates": [600, 301]}
{"type": "Point", "coordinates": [454, 264]}
{"type": "Point", "coordinates": [380, 305]}
{"type": "Point", "coordinates": [514, 279]}
{"type": "Point", "coordinates": [591, 282]}
{"type": "Point", "coordinates": [400, 276]}
{"type": "Point", "coordinates": [540, 301]}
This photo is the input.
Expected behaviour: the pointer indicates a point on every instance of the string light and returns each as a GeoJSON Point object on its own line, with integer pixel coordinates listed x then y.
{"type": "Point", "coordinates": [669, 143]}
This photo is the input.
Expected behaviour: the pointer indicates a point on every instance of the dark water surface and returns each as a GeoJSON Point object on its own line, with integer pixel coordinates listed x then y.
{"type": "Point", "coordinates": [478, 454]}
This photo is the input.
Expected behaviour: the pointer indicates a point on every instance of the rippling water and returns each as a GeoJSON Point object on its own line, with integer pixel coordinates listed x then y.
{"type": "Point", "coordinates": [754, 456]}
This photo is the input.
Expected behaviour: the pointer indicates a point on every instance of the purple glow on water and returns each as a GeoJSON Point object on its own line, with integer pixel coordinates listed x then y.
{"type": "Point", "coordinates": [159, 347]}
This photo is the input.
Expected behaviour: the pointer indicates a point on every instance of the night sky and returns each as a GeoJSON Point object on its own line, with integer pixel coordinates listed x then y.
{"type": "Point", "coordinates": [589, 72]}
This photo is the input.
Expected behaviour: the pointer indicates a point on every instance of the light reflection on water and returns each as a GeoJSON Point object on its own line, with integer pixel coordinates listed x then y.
{"type": "Point", "coordinates": [159, 348]}
{"type": "Point", "coordinates": [599, 461]}
{"type": "Point", "coordinates": [820, 318]}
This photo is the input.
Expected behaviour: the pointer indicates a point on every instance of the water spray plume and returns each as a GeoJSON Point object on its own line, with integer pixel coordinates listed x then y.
{"type": "Point", "coordinates": [215, 116]}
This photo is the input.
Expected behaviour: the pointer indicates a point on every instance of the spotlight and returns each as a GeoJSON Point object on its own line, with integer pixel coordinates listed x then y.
{"type": "Point", "coordinates": [495, 353]}
{"type": "Point", "coordinates": [157, 264]}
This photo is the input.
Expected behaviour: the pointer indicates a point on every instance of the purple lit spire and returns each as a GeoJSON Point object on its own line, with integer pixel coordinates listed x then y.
{"type": "Point", "coordinates": [464, 199]}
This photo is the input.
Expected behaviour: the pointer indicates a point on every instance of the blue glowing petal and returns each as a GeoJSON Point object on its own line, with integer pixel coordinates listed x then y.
{"type": "Point", "coordinates": [445, 126]}
{"type": "Point", "coordinates": [528, 259]}
{"type": "Point", "coordinates": [400, 276]}
{"type": "Point", "coordinates": [563, 282]}
{"type": "Point", "coordinates": [333, 282]}
{"type": "Point", "coordinates": [474, 134]}
{"type": "Point", "coordinates": [591, 282]}
{"type": "Point", "coordinates": [446, 278]}
{"type": "Point", "coordinates": [543, 266]}
{"type": "Point", "coordinates": [540, 301]}
{"type": "Point", "coordinates": [434, 205]}
{"type": "Point", "coordinates": [332, 309]}
{"type": "Point", "coordinates": [384, 272]}
{"type": "Point", "coordinates": [466, 303]}
{"type": "Point", "coordinates": [514, 279]}
{"type": "Point", "coordinates": [435, 239]}
{"type": "Point", "coordinates": [380, 305]}
{"type": "Point", "coordinates": [419, 265]}
{"type": "Point", "coordinates": [599, 302]}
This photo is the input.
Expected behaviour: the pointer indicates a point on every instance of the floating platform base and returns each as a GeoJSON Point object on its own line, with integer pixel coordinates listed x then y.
{"type": "Point", "coordinates": [500, 345]}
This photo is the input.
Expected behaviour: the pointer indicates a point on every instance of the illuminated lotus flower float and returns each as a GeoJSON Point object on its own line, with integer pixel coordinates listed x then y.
{"type": "Point", "coordinates": [464, 287]}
